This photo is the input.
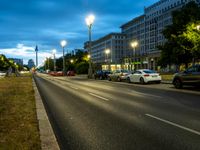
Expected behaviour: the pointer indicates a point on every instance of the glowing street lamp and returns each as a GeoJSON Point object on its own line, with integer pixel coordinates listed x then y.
{"type": "Point", "coordinates": [63, 43]}
{"type": "Point", "coordinates": [54, 58]}
{"type": "Point", "coordinates": [89, 22]}
{"type": "Point", "coordinates": [72, 61]}
{"type": "Point", "coordinates": [107, 52]}
{"type": "Point", "coordinates": [134, 44]}
{"type": "Point", "coordinates": [198, 27]}
{"type": "Point", "coordinates": [88, 56]}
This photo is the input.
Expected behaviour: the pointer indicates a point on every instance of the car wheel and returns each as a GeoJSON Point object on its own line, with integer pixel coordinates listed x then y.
{"type": "Point", "coordinates": [118, 79]}
{"type": "Point", "coordinates": [109, 79]}
{"type": "Point", "coordinates": [142, 81]}
{"type": "Point", "coordinates": [128, 80]}
{"type": "Point", "coordinates": [178, 84]}
{"type": "Point", "coordinates": [158, 82]}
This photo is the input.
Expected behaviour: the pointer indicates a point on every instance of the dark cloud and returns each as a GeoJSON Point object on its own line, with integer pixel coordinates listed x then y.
{"type": "Point", "coordinates": [46, 22]}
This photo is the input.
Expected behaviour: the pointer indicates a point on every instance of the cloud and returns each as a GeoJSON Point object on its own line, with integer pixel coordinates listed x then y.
{"type": "Point", "coordinates": [26, 52]}
{"type": "Point", "coordinates": [46, 22]}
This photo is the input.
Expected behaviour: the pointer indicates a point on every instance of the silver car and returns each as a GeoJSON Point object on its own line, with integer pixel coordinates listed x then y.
{"type": "Point", "coordinates": [118, 75]}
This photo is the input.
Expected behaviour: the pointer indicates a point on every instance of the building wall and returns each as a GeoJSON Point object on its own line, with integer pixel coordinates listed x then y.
{"type": "Point", "coordinates": [146, 30]}
{"type": "Point", "coordinates": [157, 17]}
{"type": "Point", "coordinates": [114, 42]}
{"type": "Point", "coordinates": [135, 31]}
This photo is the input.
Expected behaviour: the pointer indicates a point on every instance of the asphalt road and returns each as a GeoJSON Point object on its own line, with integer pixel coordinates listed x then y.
{"type": "Point", "coordinates": [103, 115]}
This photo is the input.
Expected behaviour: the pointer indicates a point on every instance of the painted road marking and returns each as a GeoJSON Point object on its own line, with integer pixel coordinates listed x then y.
{"type": "Point", "coordinates": [74, 87]}
{"type": "Point", "coordinates": [99, 97]}
{"type": "Point", "coordinates": [174, 124]}
{"type": "Point", "coordinates": [143, 94]}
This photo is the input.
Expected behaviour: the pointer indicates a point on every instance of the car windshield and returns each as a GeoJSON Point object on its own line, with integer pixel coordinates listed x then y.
{"type": "Point", "coordinates": [149, 71]}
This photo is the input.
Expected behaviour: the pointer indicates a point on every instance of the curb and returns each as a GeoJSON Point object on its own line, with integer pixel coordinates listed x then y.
{"type": "Point", "coordinates": [166, 82]}
{"type": "Point", "coordinates": [47, 137]}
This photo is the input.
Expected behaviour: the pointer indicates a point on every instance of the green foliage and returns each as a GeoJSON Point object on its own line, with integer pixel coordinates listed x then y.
{"type": "Point", "coordinates": [182, 44]}
{"type": "Point", "coordinates": [192, 36]}
{"type": "Point", "coordinates": [6, 63]}
{"type": "Point", "coordinates": [82, 68]}
{"type": "Point", "coordinates": [77, 62]}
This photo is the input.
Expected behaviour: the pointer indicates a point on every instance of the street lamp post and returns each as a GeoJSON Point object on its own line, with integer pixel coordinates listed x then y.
{"type": "Point", "coordinates": [134, 44]}
{"type": "Point", "coordinates": [54, 59]}
{"type": "Point", "coordinates": [36, 51]}
{"type": "Point", "coordinates": [48, 62]}
{"type": "Point", "coordinates": [72, 61]}
{"type": "Point", "coordinates": [63, 43]}
{"type": "Point", "coordinates": [107, 52]}
{"type": "Point", "coordinates": [89, 21]}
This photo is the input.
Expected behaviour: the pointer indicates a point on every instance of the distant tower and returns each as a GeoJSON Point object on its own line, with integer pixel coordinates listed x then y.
{"type": "Point", "coordinates": [36, 51]}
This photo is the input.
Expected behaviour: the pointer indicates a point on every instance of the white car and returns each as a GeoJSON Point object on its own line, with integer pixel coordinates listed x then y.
{"type": "Point", "coordinates": [144, 76]}
{"type": "Point", "coordinates": [2, 74]}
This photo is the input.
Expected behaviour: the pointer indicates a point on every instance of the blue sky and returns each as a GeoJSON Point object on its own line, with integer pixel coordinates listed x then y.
{"type": "Point", "coordinates": [25, 23]}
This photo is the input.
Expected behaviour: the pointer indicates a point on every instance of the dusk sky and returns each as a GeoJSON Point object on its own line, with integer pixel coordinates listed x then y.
{"type": "Point", "coordinates": [25, 23]}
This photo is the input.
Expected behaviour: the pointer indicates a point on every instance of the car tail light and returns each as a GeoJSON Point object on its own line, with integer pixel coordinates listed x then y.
{"type": "Point", "coordinates": [146, 75]}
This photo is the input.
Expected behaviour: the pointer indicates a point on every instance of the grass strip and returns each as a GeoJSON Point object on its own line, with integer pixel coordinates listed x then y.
{"type": "Point", "coordinates": [18, 121]}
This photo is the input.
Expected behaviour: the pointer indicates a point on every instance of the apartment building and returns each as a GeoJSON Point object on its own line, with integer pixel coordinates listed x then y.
{"type": "Point", "coordinates": [114, 44]}
{"type": "Point", "coordinates": [146, 30]}
{"type": "Point", "coordinates": [135, 32]}
{"type": "Point", "coordinates": [157, 17]}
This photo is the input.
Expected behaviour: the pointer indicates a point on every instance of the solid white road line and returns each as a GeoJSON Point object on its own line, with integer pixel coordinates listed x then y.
{"type": "Point", "coordinates": [74, 87]}
{"type": "Point", "coordinates": [174, 124]}
{"type": "Point", "coordinates": [99, 97]}
{"type": "Point", "coordinates": [143, 94]}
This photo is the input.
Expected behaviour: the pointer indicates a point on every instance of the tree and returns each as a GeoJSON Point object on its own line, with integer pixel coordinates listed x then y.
{"type": "Point", "coordinates": [192, 36]}
{"type": "Point", "coordinates": [77, 62]}
{"type": "Point", "coordinates": [82, 68]}
{"type": "Point", "coordinates": [179, 48]}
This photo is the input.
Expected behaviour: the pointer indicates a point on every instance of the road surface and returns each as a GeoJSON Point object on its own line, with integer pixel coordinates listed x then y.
{"type": "Point", "coordinates": [103, 115]}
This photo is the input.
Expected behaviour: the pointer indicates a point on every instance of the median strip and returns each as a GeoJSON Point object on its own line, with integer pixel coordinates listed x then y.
{"type": "Point", "coordinates": [174, 124]}
{"type": "Point", "coordinates": [99, 97]}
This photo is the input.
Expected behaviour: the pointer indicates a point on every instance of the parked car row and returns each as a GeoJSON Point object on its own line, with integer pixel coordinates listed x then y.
{"type": "Point", "coordinates": [139, 76]}
{"type": "Point", "coordinates": [190, 76]}
{"type": "Point", "coordinates": [101, 74]}
{"type": "Point", "coordinates": [60, 73]}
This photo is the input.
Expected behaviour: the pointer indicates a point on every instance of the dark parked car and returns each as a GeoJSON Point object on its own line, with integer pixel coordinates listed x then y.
{"type": "Point", "coordinates": [101, 74]}
{"type": "Point", "coordinates": [70, 73]}
{"type": "Point", "coordinates": [191, 76]}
